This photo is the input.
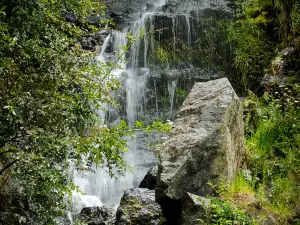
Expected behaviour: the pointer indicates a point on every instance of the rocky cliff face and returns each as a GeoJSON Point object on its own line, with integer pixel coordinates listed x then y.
{"type": "Point", "coordinates": [206, 144]}
{"type": "Point", "coordinates": [165, 62]}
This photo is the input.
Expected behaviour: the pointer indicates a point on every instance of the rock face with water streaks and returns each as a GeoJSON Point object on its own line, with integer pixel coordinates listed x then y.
{"type": "Point", "coordinates": [138, 207]}
{"type": "Point", "coordinates": [206, 144]}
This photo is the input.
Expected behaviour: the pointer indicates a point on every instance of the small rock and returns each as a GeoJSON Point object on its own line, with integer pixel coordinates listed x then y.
{"type": "Point", "coordinates": [138, 207]}
{"type": "Point", "coordinates": [88, 43]}
{"type": "Point", "coordinates": [195, 208]}
{"type": "Point", "coordinates": [63, 221]}
{"type": "Point", "coordinates": [94, 20]}
{"type": "Point", "coordinates": [101, 35]}
{"type": "Point", "coordinates": [70, 17]}
{"type": "Point", "coordinates": [97, 216]}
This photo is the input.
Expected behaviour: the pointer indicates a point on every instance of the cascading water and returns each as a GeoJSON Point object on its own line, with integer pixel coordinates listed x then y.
{"type": "Point", "coordinates": [97, 187]}
{"type": "Point", "coordinates": [149, 87]}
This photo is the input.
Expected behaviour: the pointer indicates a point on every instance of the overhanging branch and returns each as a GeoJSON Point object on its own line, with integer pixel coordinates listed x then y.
{"type": "Point", "coordinates": [8, 166]}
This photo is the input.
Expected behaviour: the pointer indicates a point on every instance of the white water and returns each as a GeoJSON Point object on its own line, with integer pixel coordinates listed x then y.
{"type": "Point", "coordinates": [97, 187]}
{"type": "Point", "coordinates": [171, 90]}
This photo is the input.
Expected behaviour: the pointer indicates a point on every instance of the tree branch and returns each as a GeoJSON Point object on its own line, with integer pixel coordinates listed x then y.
{"type": "Point", "coordinates": [8, 166]}
{"type": "Point", "coordinates": [8, 151]}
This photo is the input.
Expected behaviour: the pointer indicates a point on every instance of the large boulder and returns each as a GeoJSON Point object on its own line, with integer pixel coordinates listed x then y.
{"type": "Point", "coordinates": [138, 207]}
{"type": "Point", "coordinates": [205, 145]}
{"type": "Point", "coordinates": [97, 216]}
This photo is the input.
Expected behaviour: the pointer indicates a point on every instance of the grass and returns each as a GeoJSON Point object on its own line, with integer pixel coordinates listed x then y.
{"type": "Point", "coordinates": [268, 186]}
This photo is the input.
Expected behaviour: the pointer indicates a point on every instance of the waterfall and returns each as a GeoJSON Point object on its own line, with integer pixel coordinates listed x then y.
{"type": "Point", "coordinates": [171, 90]}
{"type": "Point", "coordinates": [146, 84]}
{"type": "Point", "coordinates": [99, 188]}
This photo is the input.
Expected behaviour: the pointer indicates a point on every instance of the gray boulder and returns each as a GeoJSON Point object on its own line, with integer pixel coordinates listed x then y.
{"type": "Point", "coordinates": [97, 216]}
{"type": "Point", "coordinates": [195, 209]}
{"type": "Point", "coordinates": [205, 145]}
{"type": "Point", "coordinates": [138, 207]}
{"type": "Point", "coordinates": [150, 179]}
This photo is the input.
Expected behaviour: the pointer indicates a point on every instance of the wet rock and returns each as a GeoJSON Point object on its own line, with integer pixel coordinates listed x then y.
{"type": "Point", "coordinates": [184, 65]}
{"type": "Point", "coordinates": [91, 42]}
{"type": "Point", "coordinates": [280, 64]}
{"type": "Point", "coordinates": [170, 7]}
{"type": "Point", "coordinates": [94, 20]}
{"type": "Point", "coordinates": [88, 43]}
{"type": "Point", "coordinates": [194, 209]}
{"type": "Point", "coordinates": [206, 143]}
{"type": "Point", "coordinates": [97, 216]}
{"type": "Point", "coordinates": [287, 51]}
{"type": "Point", "coordinates": [149, 7]}
{"type": "Point", "coordinates": [150, 179]}
{"type": "Point", "coordinates": [101, 35]}
{"type": "Point", "coordinates": [280, 69]}
{"type": "Point", "coordinates": [216, 13]}
{"type": "Point", "coordinates": [70, 17]}
{"type": "Point", "coordinates": [268, 81]}
{"type": "Point", "coordinates": [138, 207]}
{"type": "Point", "coordinates": [63, 221]}
{"type": "Point", "coordinates": [112, 115]}
{"type": "Point", "coordinates": [126, 11]}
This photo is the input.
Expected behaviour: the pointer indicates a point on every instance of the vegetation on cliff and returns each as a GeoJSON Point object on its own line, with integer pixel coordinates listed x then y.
{"type": "Point", "coordinates": [267, 187]}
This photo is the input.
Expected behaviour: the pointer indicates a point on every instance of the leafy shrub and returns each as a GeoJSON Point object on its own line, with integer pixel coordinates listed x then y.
{"type": "Point", "coordinates": [223, 213]}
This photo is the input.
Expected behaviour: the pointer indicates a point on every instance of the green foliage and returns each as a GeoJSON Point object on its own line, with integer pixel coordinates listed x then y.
{"type": "Point", "coordinates": [260, 28]}
{"type": "Point", "coordinates": [181, 92]}
{"type": "Point", "coordinates": [284, 18]}
{"type": "Point", "coordinates": [162, 55]}
{"type": "Point", "coordinates": [258, 11]}
{"type": "Point", "coordinates": [273, 149]}
{"type": "Point", "coordinates": [237, 47]}
{"type": "Point", "coordinates": [251, 47]}
{"type": "Point", "coordinates": [156, 125]}
{"type": "Point", "coordinates": [223, 213]}
{"type": "Point", "coordinates": [212, 47]}
{"type": "Point", "coordinates": [50, 94]}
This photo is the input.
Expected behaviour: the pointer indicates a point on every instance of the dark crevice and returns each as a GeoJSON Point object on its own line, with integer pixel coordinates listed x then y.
{"type": "Point", "coordinates": [171, 210]}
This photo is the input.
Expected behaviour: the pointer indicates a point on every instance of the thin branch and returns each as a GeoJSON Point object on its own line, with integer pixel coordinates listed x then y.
{"type": "Point", "coordinates": [8, 166]}
{"type": "Point", "coordinates": [4, 182]}
{"type": "Point", "coordinates": [8, 151]}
